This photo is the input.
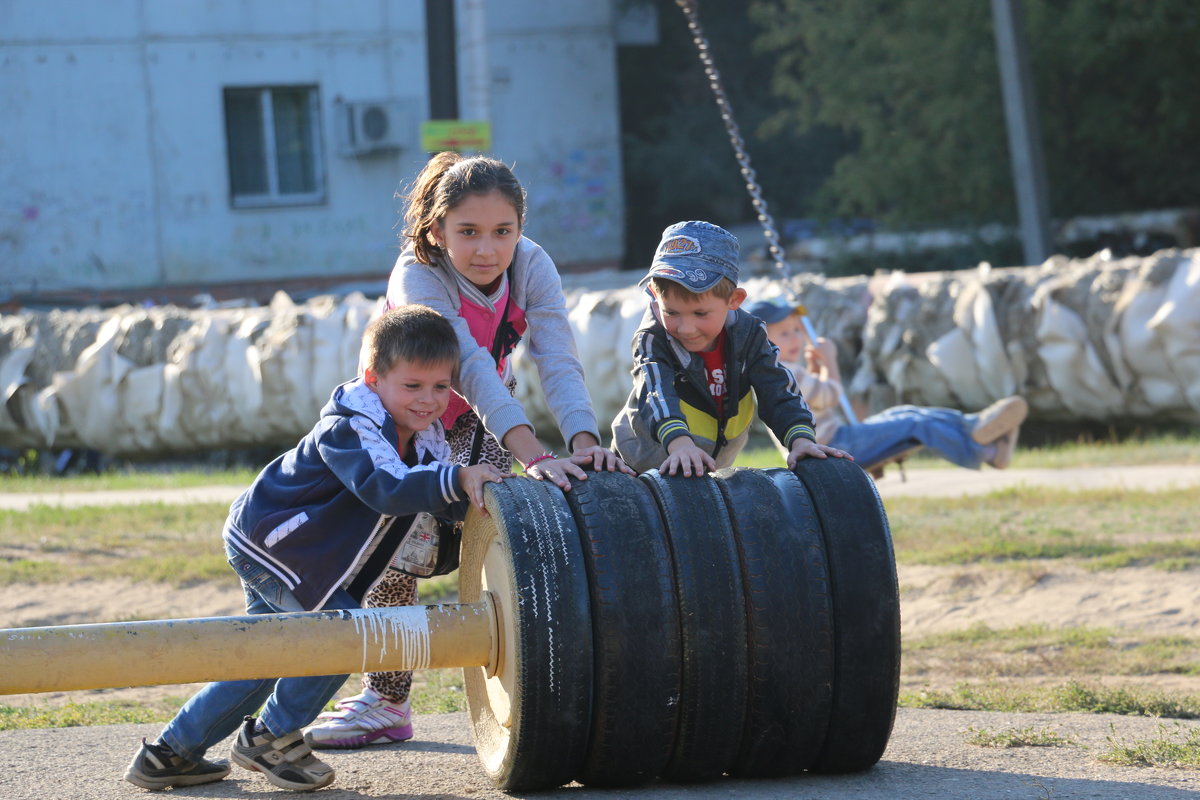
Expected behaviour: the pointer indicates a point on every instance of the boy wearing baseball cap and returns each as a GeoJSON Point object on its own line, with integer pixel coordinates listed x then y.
{"type": "Point", "coordinates": [700, 364]}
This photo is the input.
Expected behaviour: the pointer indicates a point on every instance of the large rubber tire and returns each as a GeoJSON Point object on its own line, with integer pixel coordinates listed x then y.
{"type": "Point", "coordinates": [530, 720]}
{"type": "Point", "coordinates": [866, 612]}
{"type": "Point", "coordinates": [712, 696]}
{"type": "Point", "coordinates": [635, 630]}
{"type": "Point", "coordinates": [788, 622]}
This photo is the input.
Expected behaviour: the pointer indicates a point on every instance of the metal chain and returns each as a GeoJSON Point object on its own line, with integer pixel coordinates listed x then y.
{"type": "Point", "coordinates": [743, 158]}
{"type": "Point", "coordinates": [735, 138]}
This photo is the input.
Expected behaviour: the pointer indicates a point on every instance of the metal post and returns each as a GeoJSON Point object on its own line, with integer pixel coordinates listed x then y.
{"type": "Point", "coordinates": [477, 73]}
{"type": "Point", "coordinates": [1024, 132]}
{"type": "Point", "coordinates": [118, 654]}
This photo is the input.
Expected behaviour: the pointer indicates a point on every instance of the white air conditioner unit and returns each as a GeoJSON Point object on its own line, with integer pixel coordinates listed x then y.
{"type": "Point", "coordinates": [375, 126]}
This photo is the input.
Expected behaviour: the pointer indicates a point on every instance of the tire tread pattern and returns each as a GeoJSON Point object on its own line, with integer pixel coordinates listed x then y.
{"type": "Point", "coordinates": [788, 622]}
{"type": "Point", "coordinates": [551, 699]}
{"type": "Point", "coordinates": [712, 703]}
{"type": "Point", "coordinates": [866, 612]}
{"type": "Point", "coordinates": [635, 629]}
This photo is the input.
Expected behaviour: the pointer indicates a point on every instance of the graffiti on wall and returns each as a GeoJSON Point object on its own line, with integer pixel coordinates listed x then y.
{"type": "Point", "coordinates": [574, 205]}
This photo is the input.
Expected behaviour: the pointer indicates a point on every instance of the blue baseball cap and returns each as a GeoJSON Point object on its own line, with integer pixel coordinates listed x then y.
{"type": "Point", "coordinates": [776, 309]}
{"type": "Point", "coordinates": [695, 255]}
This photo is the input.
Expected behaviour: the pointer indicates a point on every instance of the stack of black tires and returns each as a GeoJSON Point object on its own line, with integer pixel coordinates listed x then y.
{"type": "Point", "coordinates": [745, 624]}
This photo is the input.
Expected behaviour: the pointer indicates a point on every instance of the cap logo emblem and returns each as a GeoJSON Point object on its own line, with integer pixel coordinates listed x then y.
{"type": "Point", "coordinates": [679, 245]}
{"type": "Point", "coordinates": [667, 272]}
{"type": "Point", "coordinates": [697, 275]}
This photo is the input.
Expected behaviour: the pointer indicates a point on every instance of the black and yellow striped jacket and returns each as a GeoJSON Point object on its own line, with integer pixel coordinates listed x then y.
{"type": "Point", "coordinates": [670, 395]}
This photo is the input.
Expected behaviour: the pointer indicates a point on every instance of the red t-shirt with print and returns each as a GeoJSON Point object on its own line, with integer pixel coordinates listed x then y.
{"type": "Point", "coordinates": [714, 372]}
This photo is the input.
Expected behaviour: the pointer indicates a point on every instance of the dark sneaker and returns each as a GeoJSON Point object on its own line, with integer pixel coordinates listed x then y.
{"type": "Point", "coordinates": [285, 761]}
{"type": "Point", "coordinates": [157, 767]}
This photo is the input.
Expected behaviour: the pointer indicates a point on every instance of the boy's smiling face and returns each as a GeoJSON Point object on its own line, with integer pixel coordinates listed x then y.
{"type": "Point", "coordinates": [413, 393]}
{"type": "Point", "coordinates": [696, 320]}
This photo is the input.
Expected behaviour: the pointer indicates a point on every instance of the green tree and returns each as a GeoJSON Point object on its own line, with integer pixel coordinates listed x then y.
{"type": "Point", "coordinates": [915, 84]}
{"type": "Point", "coordinates": [1116, 81]}
{"type": "Point", "coordinates": [678, 162]}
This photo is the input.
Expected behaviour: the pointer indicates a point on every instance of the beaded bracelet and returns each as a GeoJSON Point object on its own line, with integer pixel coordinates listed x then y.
{"type": "Point", "coordinates": [546, 456]}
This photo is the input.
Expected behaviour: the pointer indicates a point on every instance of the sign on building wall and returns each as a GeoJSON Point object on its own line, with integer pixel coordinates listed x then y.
{"type": "Point", "coordinates": [456, 134]}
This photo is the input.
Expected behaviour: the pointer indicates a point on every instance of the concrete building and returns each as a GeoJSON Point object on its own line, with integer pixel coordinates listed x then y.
{"type": "Point", "coordinates": [223, 143]}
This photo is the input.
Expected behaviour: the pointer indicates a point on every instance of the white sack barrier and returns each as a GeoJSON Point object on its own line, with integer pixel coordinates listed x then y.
{"type": "Point", "coordinates": [1095, 339]}
{"type": "Point", "coordinates": [134, 380]}
{"type": "Point", "coordinates": [1099, 339]}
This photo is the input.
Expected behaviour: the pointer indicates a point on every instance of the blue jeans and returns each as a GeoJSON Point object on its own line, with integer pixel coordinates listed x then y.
{"type": "Point", "coordinates": [217, 710]}
{"type": "Point", "coordinates": [883, 435]}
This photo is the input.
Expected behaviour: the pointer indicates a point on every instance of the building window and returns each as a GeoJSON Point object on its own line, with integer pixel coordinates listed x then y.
{"type": "Point", "coordinates": [273, 139]}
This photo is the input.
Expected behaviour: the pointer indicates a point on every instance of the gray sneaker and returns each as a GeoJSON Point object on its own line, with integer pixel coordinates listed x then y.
{"type": "Point", "coordinates": [157, 767]}
{"type": "Point", "coordinates": [285, 761]}
{"type": "Point", "coordinates": [1004, 449]}
{"type": "Point", "coordinates": [999, 418]}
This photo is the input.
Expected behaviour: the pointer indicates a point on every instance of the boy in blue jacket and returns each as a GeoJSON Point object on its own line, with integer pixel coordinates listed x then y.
{"type": "Point", "coordinates": [317, 528]}
{"type": "Point", "coordinates": [702, 367]}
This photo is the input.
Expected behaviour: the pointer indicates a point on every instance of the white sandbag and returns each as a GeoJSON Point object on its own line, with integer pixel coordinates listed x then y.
{"type": "Point", "coordinates": [89, 395]}
{"type": "Point", "coordinates": [12, 377]}
{"type": "Point", "coordinates": [1073, 368]}
{"type": "Point", "coordinates": [140, 400]}
{"type": "Point", "coordinates": [1177, 324]}
{"type": "Point", "coordinates": [954, 359]}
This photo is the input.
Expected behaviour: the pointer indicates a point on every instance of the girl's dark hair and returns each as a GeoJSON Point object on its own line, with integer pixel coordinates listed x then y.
{"type": "Point", "coordinates": [444, 183]}
{"type": "Point", "coordinates": [413, 333]}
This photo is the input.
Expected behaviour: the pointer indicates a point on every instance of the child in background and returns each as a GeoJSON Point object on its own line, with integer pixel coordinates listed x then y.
{"type": "Point", "coordinates": [968, 440]}
{"type": "Point", "coordinates": [466, 258]}
{"type": "Point", "coordinates": [700, 364]}
{"type": "Point", "coordinates": [315, 530]}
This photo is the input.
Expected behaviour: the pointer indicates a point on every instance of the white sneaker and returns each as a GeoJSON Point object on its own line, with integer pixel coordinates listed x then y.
{"type": "Point", "coordinates": [364, 719]}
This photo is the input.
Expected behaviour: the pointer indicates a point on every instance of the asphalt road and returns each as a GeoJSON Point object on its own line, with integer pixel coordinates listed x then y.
{"type": "Point", "coordinates": [928, 759]}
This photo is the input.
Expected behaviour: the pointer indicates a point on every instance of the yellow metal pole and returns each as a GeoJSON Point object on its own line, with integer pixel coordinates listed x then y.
{"type": "Point", "coordinates": [118, 654]}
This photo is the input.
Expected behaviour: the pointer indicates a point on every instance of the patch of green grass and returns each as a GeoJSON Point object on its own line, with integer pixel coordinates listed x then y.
{"type": "Point", "coordinates": [440, 692]}
{"type": "Point", "coordinates": [131, 478]}
{"type": "Point", "coordinates": [1131, 702]}
{"type": "Point", "coordinates": [153, 542]}
{"type": "Point", "coordinates": [74, 715]}
{"type": "Point", "coordinates": [1023, 637]}
{"type": "Point", "coordinates": [974, 697]}
{"type": "Point", "coordinates": [1031, 523]}
{"type": "Point", "coordinates": [1178, 749]}
{"type": "Point", "coordinates": [1017, 737]}
{"type": "Point", "coordinates": [1159, 448]}
{"type": "Point", "coordinates": [759, 457]}
{"type": "Point", "coordinates": [1072, 696]}
{"type": "Point", "coordinates": [435, 691]}
{"type": "Point", "coordinates": [28, 570]}
{"type": "Point", "coordinates": [1171, 556]}
{"type": "Point", "coordinates": [441, 589]}
{"type": "Point", "coordinates": [1036, 651]}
